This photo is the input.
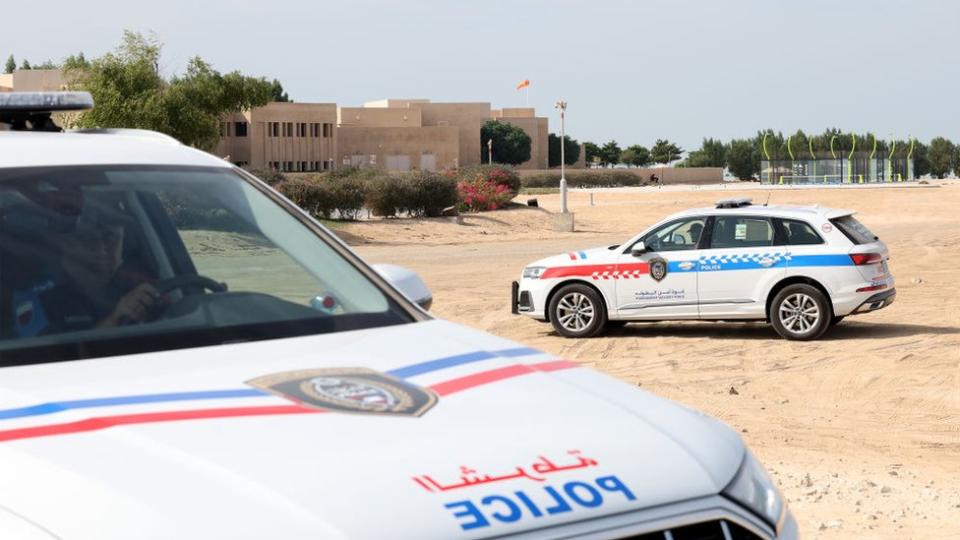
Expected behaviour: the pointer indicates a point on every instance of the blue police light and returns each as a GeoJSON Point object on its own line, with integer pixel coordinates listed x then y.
{"type": "Point", "coordinates": [40, 102]}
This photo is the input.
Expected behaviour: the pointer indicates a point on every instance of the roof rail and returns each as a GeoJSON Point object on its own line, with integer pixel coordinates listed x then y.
{"type": "Point", "coordinates": [32, 111]}
{"type": "Point", "coordinates": [734, 203]}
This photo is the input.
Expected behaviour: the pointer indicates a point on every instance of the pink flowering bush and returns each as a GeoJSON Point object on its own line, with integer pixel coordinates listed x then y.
{"type": "Point", "coordinates": [480, 193]}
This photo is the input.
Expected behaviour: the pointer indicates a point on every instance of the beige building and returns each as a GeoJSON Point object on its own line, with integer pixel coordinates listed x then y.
{"type": "Point", "coordinates": [32, 80]}
{"type": "Point", "coordinates": [293, 137]}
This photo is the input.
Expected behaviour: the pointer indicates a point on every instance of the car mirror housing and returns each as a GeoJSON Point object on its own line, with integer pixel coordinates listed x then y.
{"type": "Point", "coordinates": [638, 249]}
{"type": "Point", "coordinates": [407, 282]}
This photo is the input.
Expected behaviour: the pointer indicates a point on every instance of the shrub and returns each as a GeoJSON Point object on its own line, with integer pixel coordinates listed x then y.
{"type": "Point", "coordinates": [312, 195]}
{"type": "Point", "coordinates": [479, 194]}
{"type": "Point", "coordinates": [429, 193]}
{"type": "Point", "coordinates": [583, 179]}
{"type": "Point", "coordinates": [270, 176]}
{"type": "Point", "coordinates": [347, 195]}
{"type": "Point", "coordinates": [388, 195]}
{"type": "Point", "coordinates": [499, 174]}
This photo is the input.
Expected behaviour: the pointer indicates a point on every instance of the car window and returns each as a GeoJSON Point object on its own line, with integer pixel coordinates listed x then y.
{"type": "Point", "coordinates": [741, 232]}
{"type": "Point", "coordinates": [135, 255]}
{"type": "Point", "coordinates": [857, 232]}
{"type": "Point", "coordinates": [798, 233]}
{"type": "Point", "coordinates": [676, 236]}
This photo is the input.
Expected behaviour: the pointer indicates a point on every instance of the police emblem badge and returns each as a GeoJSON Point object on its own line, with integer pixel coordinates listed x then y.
{"type": "Point", "coordinates": [356, 390]}
{"type": "Point", "coordinates": [658, 269]}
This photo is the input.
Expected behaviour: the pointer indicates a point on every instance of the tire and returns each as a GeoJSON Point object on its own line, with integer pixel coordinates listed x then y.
{"type": "Point", "coordinates": [801, 312]}
{"type": "Point", "coordinates": [577, 311]}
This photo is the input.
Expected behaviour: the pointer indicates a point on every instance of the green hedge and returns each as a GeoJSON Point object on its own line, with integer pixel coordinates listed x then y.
{"type": "Point", "coordinates": [584, 179]}
{"type": "Point", "coordinates": [343, 195]}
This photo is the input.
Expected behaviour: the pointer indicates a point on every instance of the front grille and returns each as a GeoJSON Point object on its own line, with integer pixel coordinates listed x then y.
{"type": "Point", "coordinates": [708, 530]}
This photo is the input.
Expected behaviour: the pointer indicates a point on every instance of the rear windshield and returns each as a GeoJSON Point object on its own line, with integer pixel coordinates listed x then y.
{"type": "Point", "coordinates": [857, 232]}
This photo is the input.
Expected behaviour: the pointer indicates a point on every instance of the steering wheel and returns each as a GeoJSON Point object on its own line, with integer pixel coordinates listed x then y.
{"type": "Point", "coordinates": [188, 280]}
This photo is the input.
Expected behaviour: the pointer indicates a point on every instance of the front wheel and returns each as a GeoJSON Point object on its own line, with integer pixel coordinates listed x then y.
{"type": "Point", "coordinates": [801, 312]}
{"type": "Point", "coordinates": [577, 311]}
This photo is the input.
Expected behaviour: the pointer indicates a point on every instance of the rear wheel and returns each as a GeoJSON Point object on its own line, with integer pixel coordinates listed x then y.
{"type": "Point", "coordinates": [577, 311]}
{"type": "Point", "coordinates": [800, 312]}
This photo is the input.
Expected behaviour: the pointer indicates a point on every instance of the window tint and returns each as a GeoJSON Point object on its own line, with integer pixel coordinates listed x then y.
{"type": "Point", "coordinates": [854, 230]}
{"type": "Point", "coordinates": [741, 232]}
{"type": "Point", "coordinates": [798, 233]}
{"type": "Point", "coordinates": [676, 235]}
{"type": "Point", "coordinates": [147, 257]}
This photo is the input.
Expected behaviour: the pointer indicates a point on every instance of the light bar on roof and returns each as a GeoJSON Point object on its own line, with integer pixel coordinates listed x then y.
{"type": "Point", "coordinates": [41, 102]}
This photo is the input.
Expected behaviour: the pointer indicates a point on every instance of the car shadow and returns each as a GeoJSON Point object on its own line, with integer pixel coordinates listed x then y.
{"type": "Point", "coordinates": [758, 330]}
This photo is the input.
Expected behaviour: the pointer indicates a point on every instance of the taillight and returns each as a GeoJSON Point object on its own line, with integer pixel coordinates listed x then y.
{"type": "Point", "coordinates": [861, 259]}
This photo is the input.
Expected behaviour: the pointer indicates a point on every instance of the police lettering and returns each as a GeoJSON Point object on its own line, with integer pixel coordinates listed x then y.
{"type": "Point", "coordinates": [549, 500]}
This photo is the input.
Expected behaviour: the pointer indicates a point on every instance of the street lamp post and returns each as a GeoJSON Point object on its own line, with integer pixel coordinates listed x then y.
{"type": "Point", "coordinates": [490, 151]}
{"type": "Point", "coordinates": [562, 107]}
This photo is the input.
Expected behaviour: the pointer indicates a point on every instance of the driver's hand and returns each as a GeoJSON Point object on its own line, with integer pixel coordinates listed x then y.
{"type": "Point", "coordinates": [135, 306]}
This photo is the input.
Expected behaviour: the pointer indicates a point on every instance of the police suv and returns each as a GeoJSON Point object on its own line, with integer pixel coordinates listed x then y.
{"type": "Point", "coordinates": [186, 354]}
{"type": "Point", "coordinates": [800, 268]}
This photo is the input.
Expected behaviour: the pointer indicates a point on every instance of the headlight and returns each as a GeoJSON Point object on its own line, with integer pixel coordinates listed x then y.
{"type": "Point", "coordinates": [752, 488]}
{"type": "Point", "coordinates": [533, 272]}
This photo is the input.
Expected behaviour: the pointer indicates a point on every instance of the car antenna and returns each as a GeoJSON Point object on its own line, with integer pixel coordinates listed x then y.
{"type": "Point", "coordinates": [767, 202]}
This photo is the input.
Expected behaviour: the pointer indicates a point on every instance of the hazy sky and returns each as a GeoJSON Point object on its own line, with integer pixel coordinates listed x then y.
{"type": "Point", "coordinates": [630, 70]}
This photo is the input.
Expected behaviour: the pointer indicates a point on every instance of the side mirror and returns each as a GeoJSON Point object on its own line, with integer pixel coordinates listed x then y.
{"type": "Point", "coordinates": [407, 282]}
{"type": "Point", "coordinates": [638, 249]}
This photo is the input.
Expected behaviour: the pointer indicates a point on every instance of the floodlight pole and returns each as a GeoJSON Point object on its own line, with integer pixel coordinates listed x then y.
{"type": "Point", "coordinates": [562, 107]}
{"type": "Point", "coordinates": [490, 151]}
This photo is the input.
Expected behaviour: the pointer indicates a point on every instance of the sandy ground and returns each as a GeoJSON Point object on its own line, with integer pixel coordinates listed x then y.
{"type": "Point", "coordinates": [860, 429]}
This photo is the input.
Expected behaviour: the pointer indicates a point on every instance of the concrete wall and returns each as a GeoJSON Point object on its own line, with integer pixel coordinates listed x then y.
{"type": "Point", "coordinates": [378, 117]}
{"type": "Point", "coordinates": [399, 148]}
{"type": "Point", "coordinates": [468, 118]}
{"type": "Point", "coordinates": [669, 175]}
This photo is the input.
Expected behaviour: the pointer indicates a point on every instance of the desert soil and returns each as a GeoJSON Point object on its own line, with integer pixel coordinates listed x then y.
{"type": "Point", "coordinates": [860, 429]}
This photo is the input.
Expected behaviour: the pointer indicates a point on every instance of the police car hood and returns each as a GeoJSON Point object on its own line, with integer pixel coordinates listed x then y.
{"type": "Point", "coordinates": [425, 430]}
{"type": "Point", "coordinates": [578, 257]}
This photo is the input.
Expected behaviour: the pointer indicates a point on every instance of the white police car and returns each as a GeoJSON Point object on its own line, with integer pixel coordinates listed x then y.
{"type": "Point", "coordinates": [186, 354]}
{"type": "Point", "coordinates": [802, 269]}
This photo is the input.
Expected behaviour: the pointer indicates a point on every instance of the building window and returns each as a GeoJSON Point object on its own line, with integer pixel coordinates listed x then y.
{"type": "Point", "coordinates": [303, 166]}
{"type": "Point", "coordinates": [273, 129]}
{"type": "Point", "coordinates": [288, 165]}
{"type": "Point", "coordinates": [327, 130]}
{"type": "Point", "coordinates": [240, 129]}
{"type": "Point", "coordinates": [288, 128]}
{"type": "Point", "coordinates": [326, 165]}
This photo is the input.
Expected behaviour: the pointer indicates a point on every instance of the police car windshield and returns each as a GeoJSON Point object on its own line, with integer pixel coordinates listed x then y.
{"type": "Point", "coordinates": [99, 261]}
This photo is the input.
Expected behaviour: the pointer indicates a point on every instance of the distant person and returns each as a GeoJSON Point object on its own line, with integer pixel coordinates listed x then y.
{"type": "Point", "coordinates": [654, 179]}
{"type": "Point", "coordinates": [695, 230]}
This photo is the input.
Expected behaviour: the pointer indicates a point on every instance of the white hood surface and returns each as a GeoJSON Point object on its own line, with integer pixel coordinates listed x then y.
{"type": "Point", "coordinates": [182, 445]}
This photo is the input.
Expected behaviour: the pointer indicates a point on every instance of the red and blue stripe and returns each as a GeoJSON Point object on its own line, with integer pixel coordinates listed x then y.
{"type": "Point", "coordinates": [102, 422]}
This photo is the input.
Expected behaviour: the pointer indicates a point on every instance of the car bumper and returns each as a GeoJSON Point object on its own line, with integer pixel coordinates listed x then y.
{"type": "Point", "coordinates": [529, 297]}
{"type": "Point", "coordinates": [876, 301]}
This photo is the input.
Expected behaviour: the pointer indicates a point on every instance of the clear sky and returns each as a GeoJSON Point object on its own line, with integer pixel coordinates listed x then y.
{"type": "Point", "coordinates": [631, 70]}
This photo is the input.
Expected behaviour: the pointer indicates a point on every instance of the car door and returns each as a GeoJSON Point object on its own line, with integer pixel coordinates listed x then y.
{"type": "Point", "coordinates": [738, 265]}
{"type": "Point", "coordinates": [661, 283]}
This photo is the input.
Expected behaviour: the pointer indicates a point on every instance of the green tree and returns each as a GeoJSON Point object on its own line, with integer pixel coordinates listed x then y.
{"type": "Point", "coordinates": [25, 64]}
{"type": "Point", "coordinates": [511, 145]}
{"type": "Point", "coordinates": [129, 92]}
{"type": "Point", "coordinates": [664, 151]}
{"type": "Point", "coordinates": [635, 155]}
{"type": "Point", "coordinates": [46, 65]}
{"type": "Point", "coordinates": [743, 158]}
{"type": "Point", "coordinates": [277, 93]}
{"type": "Point", "coordinates": [592, 152]}
{"type": "Point", "coordinates": [610, 154]}
{"type": "Point", "coordinates": [571, 150]}
{"type": "Point", "coordinates": [712, 153]}
{"type": "Point", "coordinates": [11, 65]}
{"type": "Point", "coordinates": [942, 156]}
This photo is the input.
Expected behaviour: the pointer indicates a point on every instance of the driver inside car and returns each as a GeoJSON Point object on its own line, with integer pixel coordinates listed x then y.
{"type": "Point", "coordinates": [91, 286]}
